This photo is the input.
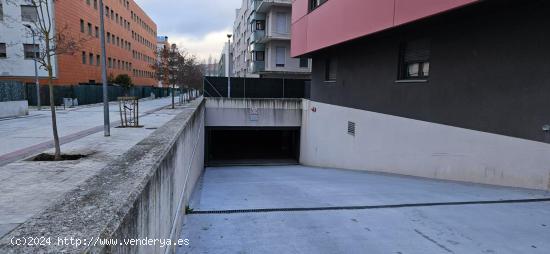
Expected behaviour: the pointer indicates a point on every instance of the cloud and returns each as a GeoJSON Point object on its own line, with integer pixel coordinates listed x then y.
{"type": "Point", "coordinates": [203, 47]}
{"type": "Point", "coordinates": [199, 26]}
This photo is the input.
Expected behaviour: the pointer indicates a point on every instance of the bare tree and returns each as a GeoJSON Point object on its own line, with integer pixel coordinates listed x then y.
{"type": "Point", "coordinates": [179, 69]}
{"type": "Point", "coordinates": [193, 73]}
{"type": "Point", "coordinates": [161, 66]}
{"type": "Point", "coordinates": [166, 68]}
{"type": "Point", "coordinates": [56, 42]}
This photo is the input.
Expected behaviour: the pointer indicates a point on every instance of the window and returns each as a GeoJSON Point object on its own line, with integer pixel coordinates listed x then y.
{"type": "Point", "coordinates": [29, 13]}
{"type": "Point", "coordinates": [91, 59]}
{"type": "Point", "coordinates": [108, 37]}
{"type": "Point", "coordinates": [304, 62]}
{"type": "Point", "coordinates": [88, 2]}
{"type": "Point", "coordinates": [95, 4]}
{"type": "Point", "coordinates": [89, 29]}
{"type": "Point", "coordinates": [1, 12]}
{"type": "Point", "coordinates": [280, 56]}
{"type": "Point", "coordinates": [259, 56]}
{"type": "Point", "coordinates": [260, 25]}
{"type": "Point", "coordinates": [98, 60]}
{"type": "Point", "coordinates": [3, 53]}
{"type": "Point", "coordinates": [415, 60]}
{"type": "Point", "coordinates": [282, 22]}
{"type": "Point", "coordinates": [110, 62]}
{"type": "Point", "coordinates": [313, 4]}
{"type": "Point", "coordinates": [83, 57]}
{"type": "Point", "coordinates": [82, 26]}
{"type": "Point", "coordinates": [97, 32]}
{"type": "Point", "coordinates": [330, 70]}
{"type": "Point", "coordinates": [31, 51]}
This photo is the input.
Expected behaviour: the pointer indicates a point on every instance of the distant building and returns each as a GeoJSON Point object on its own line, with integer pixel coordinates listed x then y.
{"type": "Point", "coordinates": [16, 48]}
{"type": "Point", "coordinates": [130, 39]}
{"type": "Point", "coordinates": [223, 67]}
{"type": "Point", "coordinates": [162, 76]}
{"type": "Point", "coordinates": [211, 67]}
{"type": "Point", "coordinates": [162, 43]}
{"type": "Point", "coordinates": [261, 41]}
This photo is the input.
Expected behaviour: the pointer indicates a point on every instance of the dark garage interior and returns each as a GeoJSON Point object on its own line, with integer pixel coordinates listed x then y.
{"type": "Point", "coordinates": [246, 146]}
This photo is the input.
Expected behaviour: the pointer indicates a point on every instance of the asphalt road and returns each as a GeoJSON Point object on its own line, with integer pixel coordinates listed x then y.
{"type": "Point", "coordinates": [298, 209]}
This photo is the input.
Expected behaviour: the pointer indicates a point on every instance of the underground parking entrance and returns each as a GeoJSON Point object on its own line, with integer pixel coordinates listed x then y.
{"type": "Point", "coordinates": [227, 146]}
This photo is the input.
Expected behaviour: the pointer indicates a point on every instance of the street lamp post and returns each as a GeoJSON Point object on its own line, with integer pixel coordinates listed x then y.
{"type": "Point", "coordinates": [229, 66]}
{"type": "Point", "coordinates": [106, 122]}
{"type": "Point", "coordinates": [36, 82]}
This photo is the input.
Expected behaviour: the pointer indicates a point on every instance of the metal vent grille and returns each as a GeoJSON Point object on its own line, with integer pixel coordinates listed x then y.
{"type": "Point", "coordinates": [351, 128]}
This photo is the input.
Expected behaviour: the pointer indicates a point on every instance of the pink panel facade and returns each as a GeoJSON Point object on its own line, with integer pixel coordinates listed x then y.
{"type": "Point", "coordinates": [409, 10]}
{"type": "Point", "coordinates": [338, 21]}
{"type": "Point", "coordinates": [299, 9]}
{"type": "Point", "coordinates": [300, 44]}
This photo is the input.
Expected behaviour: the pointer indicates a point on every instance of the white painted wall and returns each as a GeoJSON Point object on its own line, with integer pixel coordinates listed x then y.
{"type": "Point", "coordinates": [14, 108]}
{"type": "Point", "coordinates": [404, 146]}
{"type": "Point", "coordinates": [14, 34]}
{"type": "Point", "coordinates": [292, 65]}
{"type": "Point", "coordinates": [272, 20]}
{"type": "Point", "coordinates": [281, 39]}
{"type": "Point", "coordinates": [223, 112]}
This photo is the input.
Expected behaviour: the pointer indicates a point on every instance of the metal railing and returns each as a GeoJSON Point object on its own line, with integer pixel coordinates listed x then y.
{"type": "Point", "coordinates": [256, 87]}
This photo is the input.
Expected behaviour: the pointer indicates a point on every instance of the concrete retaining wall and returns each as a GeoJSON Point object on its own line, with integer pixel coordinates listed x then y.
{"type": "Point", "coordinates": [141, 195]}
{"type": "Point", "coordinates": [400, 145]}
{"type": "Point", "coordinates": [13, 108]}
{"type": "Point", "coordinates": [224, 112]}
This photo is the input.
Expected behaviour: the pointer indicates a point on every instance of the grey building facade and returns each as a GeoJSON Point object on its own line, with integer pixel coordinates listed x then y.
{"type": "Point", "coordinates": [261, 41]}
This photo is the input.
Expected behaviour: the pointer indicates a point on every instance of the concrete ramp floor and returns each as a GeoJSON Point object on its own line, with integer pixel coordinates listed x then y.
{"type": "Point", "coordinates": [297, 209]}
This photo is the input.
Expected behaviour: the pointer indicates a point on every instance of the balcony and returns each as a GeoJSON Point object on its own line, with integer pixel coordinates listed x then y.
{"type": "Point", "coordinates": [256, 4]}
{"type": "Point", "coordinates": [257, 66]}
{"type": "Point", "coordinates": [257, 36]}
{"type": "Point", "coordinates": [263, 6]}
{"type": "Point", "coordinates": [256, 47]}
{"type": "Point", "coordinates": [256, 16]}
{"type": "Point", "coordinates": [275, 36]}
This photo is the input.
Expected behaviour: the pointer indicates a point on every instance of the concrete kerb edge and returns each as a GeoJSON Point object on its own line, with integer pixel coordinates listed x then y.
{"type": "Point", "coordinates": [94, 208]}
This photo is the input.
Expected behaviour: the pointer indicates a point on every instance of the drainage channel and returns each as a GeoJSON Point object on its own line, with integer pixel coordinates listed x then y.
{"type": "Point", "coordinates": [336, 208]}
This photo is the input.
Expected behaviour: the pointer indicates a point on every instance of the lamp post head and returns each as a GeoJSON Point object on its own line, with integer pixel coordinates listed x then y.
{"type": "Point", "coordinates": [30, 28]}
{"type": "Point", "coordinates": [229, 36]}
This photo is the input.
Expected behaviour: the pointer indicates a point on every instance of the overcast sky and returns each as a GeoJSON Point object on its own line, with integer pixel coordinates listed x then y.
{"type": "Point", "coordinates": [198, 26]}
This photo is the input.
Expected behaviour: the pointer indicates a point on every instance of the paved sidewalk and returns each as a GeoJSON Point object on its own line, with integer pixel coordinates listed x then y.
{"type": "Point", "coordinates": [28, 187]}
{"type": "Point", "coordinates": [400, 215]}
{"type": "Point", "coordinates": [22, 137]}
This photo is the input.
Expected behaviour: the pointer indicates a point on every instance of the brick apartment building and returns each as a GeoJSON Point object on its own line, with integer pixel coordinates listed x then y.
{"type": "Point", "coordinates": [130, 35]}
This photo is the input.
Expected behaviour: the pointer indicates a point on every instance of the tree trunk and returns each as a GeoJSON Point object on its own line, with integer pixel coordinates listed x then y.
{"type": "Point", "coordinates": [57, 155]}
{"type": "Point", "coordinates": [173, 94]}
